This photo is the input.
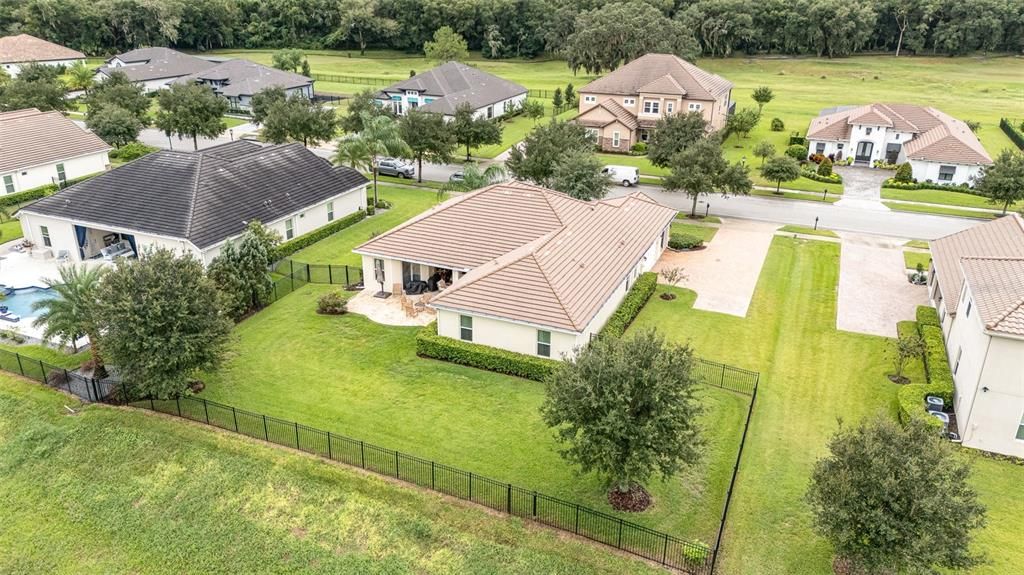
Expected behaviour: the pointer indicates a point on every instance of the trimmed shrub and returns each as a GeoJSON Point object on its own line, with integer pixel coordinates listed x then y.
{"type": "Point", "coordinates": [910, 398]}
{"type": "Point", "coordinates": [631, 305]}
{"type": "Point", "coordinates": [927, 315]}
{"type": "Point", "coordinates": [797, 152]}
{"type": "Point", "coordinates": [39, 192]}
{"type": "Point", "coordinates": [825, 167]}
{"type": "Point", "coordinates": [833, 178]}
{"type": "Point", "coordinates": [778, 125]}
{"type": "Point", "coordinates": [904, 173]}
{"type": "Point", "coordinates": [430, 344]}
{"type": "Point", "coordinates": [291, 246]}
{"type": "Point", "coordinates": [684, 242]}
{"type": "Point", "coordinates": [131, 151]}
{"type": "Point", "coordinates": [332, 303]}
{"type": "Point", "coordinates": [892, 183]}
{"type": "Point", "coordinates": [639, 148]}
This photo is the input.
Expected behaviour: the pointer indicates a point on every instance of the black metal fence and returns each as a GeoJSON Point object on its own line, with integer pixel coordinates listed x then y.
{"type": "Point", "coordinates": [725, 376]}
{"type": "Point", "coordinates": [297, 274]}
{"type": "Point", "coordinates": [87, 388]}
{"type": "Point", "coordinates": [624, 535]}
{"type": "Point", "coordinates": [346, 79]}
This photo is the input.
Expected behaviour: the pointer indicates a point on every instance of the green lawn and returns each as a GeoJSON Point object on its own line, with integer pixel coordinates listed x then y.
{"type": "Point", "coordinates": [830, 198]}
{"type": "Point", "coordinates": [946, 198]}
{"type": "Point", "coordinates": [939, 210]}
{"type": "Point", "coordinates": [45, 354]}
{"type": "Point", "coordinates": [10, 230]}
{"type": "Point", "coordinates": [515, 129]}
{"type": "Point", "coordinates": [918, 244]}
{"type": "Point", "coordinates": [914, 258]}
{"type": "Point", "coordinates": [808, 231]}
{"type": "Point", "coordinates": [111, 490]}
{"type": "Point", "coordinates": [706, 233]}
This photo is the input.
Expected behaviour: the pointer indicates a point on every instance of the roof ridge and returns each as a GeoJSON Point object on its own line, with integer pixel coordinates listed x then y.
{"type": "Point", "coordinates": [995, 258]}
{"type": "Point", "coordinates": [547, 280]}
{"type": "Point", "coordinates": [195, 193]}
{"type": "Point", "coordinates": [900, 116]}
{"type": "Point", "coordinates": [1006, 313]}
{"type": "Point", "coordinates": [504, 260]}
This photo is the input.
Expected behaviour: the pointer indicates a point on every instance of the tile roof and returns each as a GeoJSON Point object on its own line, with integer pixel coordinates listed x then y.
{"type": "Point", "coordinates": [246, 78]}
{"type": "Point", "coordinates": [455, 83]}
{"type": "Point", "coordinates": [206, 196]}
{"type": "Point", "coordinates": [25, 48]}
{"type": "Point", "coordinates": [997, 285]}
{"type": "Point", "coordinates": [1000, 238]}
{"type": "Point", "coordinates": [31, 138]}
{"type": "Point", "coordinates": [156, 63]}
{"type": "Point", "coordinates": [649, 72]}
{"type": "Point", "coordinates": [619, 113]}
{"type": "Point", "coordinates": [938, 137]}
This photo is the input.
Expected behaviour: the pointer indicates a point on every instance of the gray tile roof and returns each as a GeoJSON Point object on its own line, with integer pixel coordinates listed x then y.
{"type": "Point", "coordinates": [454, 83]}
{"type": "Point", "coordinates": [157, 63]}
{"type": "Point", "coordinates": [204, 197]}
{"type": "Point", "coordinates": [246, 78]}
{"type": "Point", "coordinates": [31, 138]}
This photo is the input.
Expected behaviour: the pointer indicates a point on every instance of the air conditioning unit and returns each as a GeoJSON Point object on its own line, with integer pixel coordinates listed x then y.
{"type": "Point", "coordinates": [933, 404]}
{"type": "Point", "coordinates": [944, 419]}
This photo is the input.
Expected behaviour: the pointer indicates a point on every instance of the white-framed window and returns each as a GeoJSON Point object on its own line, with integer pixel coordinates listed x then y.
{"type": "Point", "coordinates": [946, 173]}
{"type": "Point", "coordinates": [289, 228]}
{"type": "Point", "coordinates": [839, 146]}
{"type": "Point", "coordinates": [615, 139]}
{"type": "Point", "coordinates": [590, 99]}
{"type": "Point", "coordinates": [8, 184]}
{"type": "Point", "coordinates": [670, 107]}
{"type": "Point", "coordinates": [1020, 428]}
{"type": "Point", "coordinates": [956, 365]}
{"type": "Point", "coordinates": [45, 233]}
{"type": "Point", "coordinates": [330, 211]}
{"type": "Point", "coordinates": [378, 270]}
{"type": "Point", "coordinates": [694, 107]}
{"type": "Point", "coordinates": [466, 327]}
{"type": "Point", "coordinates": [652, 107]}
{"type": "Point", "coordinates": [868, 130]}
{"type": "Point", "coordinates": [543, 343]}
{"type": "Point", "coordinates": [629, 102]}
{"type": "Point", "coordinates": [490, 112]}
{"type": "Point", "coordinates": [62, 177]}
{"type": "Point", "coordinates": [412, 93]}
{"type": "Point", "coordinates": [593, 132]}
{"type": "Point", "coordinates": [819, 148]}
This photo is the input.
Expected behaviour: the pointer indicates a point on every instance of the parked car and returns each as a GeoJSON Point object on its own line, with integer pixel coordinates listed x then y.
{"type": "Point", "coordinates": [394, 167]}
{"type": "Point", "coordinates": [625, 175]}
{"type": "Point", "coordinates": [456, 177]}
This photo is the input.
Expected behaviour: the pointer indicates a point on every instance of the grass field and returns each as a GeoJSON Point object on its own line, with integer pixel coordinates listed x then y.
{"type": "Point", "coordinates": [939, 210]}
{"type": "Point", "coordinates": [945, 198]}
{"type": "Point", "coordinates": [110, 490]}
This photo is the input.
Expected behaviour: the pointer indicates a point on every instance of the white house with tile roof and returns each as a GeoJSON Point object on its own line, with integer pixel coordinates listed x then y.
{"type": "Point", "coordinates": [534, 271]}
{"type": "Point", "coordinates": [977, 285]}
{"type": "Point", "coordinates": [20, 50]}
{"type": "Point", "coordinates": [40, 148]}
{"type": "Point", "coordinates": [940, 148]}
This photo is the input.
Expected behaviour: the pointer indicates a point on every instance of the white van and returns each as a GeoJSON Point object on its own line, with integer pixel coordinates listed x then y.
{"type": "Point", "coordinates": [625, 175]}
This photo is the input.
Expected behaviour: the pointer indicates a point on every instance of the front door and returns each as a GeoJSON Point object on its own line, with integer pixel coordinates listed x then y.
{"type": "Point", "coordinates": [864, 150]}
{"type": "Point", "coordinates": [892, 153]}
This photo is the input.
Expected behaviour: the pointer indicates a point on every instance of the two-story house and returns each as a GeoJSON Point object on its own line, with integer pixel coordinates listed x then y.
{"type": "Point", "coordinates": [446, 87]}
{"type": "Point", "coordinates": [623, 107]}
{"type": "Point", "coordinates": [939, 147]}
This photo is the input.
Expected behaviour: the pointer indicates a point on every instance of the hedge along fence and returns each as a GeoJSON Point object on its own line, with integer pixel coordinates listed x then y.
{"type": "Point", "coordinates": [631, 305]}
{"type": "Point", "coordinates": [430, 344]}
{"type": "Point", "coordinates": [936, 365]}
{"type": "Point", "coordinates": [1012, 132]}
{"type": "Point", "coordinates": [305, 240]}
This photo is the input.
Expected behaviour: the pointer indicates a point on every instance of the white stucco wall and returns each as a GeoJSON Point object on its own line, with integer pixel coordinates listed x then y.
{"type": "Point", "coordinates": [148, 86]}
{"type": "Point", "coordinates": [245, 101]}
{"type": "Point", "coordinates": [62, 236]}
{"type": "Point", "coordinates": [964, 175]}
{"type": "Point", "coordinates": [14, 68]}
{"type": "Point", "coordinates": [406, 99]}
{"type": "Point", "coordinates": [30, 177]}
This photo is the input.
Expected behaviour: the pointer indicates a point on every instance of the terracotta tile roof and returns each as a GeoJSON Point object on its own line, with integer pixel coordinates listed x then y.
{"type": "Point", "coordinates": [650, 70]}
{"type": "Point", "coordinates": [1000, 238]}
{"type": "Point", "coordinates": [664, 85]}
{"type": "Point", "coordinates": [869, 116]}
{"type": "Point", "coordinates": [25, 48]}
{"type": "Point", "coordinates": [621, 114]}
{"type": "Point", "coordinates": [562, 278]}
{"type": "Point", "coordinates": [997, 285]}
{"type": "Point", "coordinates": [32, 138]}
{"type": "Point", "coordinates": [949, 141]}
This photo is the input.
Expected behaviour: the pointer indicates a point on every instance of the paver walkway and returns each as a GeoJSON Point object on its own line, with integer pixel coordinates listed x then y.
{"type": "Point", "coordinates": [862, 187]}
{"type": "Point", "coordinates": [874, 292]}
{"type": "Point", "coordinates": [724, 274]}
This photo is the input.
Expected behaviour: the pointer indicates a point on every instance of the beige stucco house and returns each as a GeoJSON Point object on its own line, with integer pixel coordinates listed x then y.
{"type": "Point", "coordinates": [623, 107]}
{"type": "Point", "coordinates": [977, 285]}
{"type": "Point", "coordinates": [532, 270]}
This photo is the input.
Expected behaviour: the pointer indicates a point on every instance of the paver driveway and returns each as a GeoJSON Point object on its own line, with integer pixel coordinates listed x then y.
{"type": "Point", "coordinates": [862, 187]}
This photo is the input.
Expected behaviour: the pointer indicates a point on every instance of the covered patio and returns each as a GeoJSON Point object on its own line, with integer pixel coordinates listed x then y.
{"type": "Point", "coordinates": [99, 244]}
{"type": "Point", "coordinates": [400, 309]}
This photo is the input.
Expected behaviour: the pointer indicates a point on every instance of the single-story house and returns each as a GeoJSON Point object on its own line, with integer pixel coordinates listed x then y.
{"type": "Point", "coordinates": [533, 270]}
{"type": "Point", "coordinates": [239, 80]}
{"type": "Point", "coordinates": [443, 89]}
{"type": "Point", "coordinates": [977, 285]}
{"type": "Point", "coordinates": [940, 148]}
{"type": "Point", "coordinates": [153, 68]}
{"type": "Point", "coordinates": [21, 49]}
{"type": "Point", "coordinates": [39, 148]}
{"type": "Point", "coordinates": [193, 202]}
{"type": "Point", "coordinates": [622, 108]}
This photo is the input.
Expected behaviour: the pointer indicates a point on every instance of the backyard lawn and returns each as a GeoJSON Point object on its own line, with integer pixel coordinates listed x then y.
{"type": "Point", "coordinates": [10, 230]}
{"type": "Point", "coordinates": [110, 490]}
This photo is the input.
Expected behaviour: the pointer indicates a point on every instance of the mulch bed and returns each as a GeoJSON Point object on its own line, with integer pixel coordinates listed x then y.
{"type": "Point", "coordinates": [902, 380]}
{"type": "Point", "coordinates": [636, 499]}
{"type": "Point", "coordinates": [667, 296]}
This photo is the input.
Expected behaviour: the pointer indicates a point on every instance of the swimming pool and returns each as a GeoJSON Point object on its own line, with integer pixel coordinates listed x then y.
{"type": "Point", "coordinates": [20, 301]}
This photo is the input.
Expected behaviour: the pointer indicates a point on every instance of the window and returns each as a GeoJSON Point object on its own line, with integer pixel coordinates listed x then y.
{"type": "Point", "coordinates": [694, 107]}
{"type": "Point", "coordinates": [330, 211]}
{"type": "Point", "coordinates": [490, 112]}
{"type": "Point", "coordinates": [378, 270]}
{"type": "Point", "coordinates": [819, 147]}
{"type": "Point", "coordinates": [868, 131]}
{"type": "Point", "coordinates": [543, 343]}
{"type": "Point", "coordinates": [1020, 428]}
{"type": "Point", "coordinates": [968, 313]}
{"type": "Point", "coordinates": [466, 327]}
{"type": "Point", "coordinates": [45, 233]}
{"type": "Point", "coordinates": [590, 99]}
{"type": "Point", "coordinates": [8, 184]}
{"type": "Point", "coordinates": [629, 102]}
{"type": "Point", "coordinates": [61, 176]}
{"type": "Point", "coordinates": [652, 106]}
{"type": "Point", "coordinates": [615, 139]}
{"type": "Point", "coordinates": [946, 173]}
{"type": "Point", "coordinates": [670, 107]}
{"type": "Point", "coordinates": [896, 137]}
{"type": "Point", "coordinates": [289, 229]}
{"type": "Point", "coordinates": [956, 366]}
{"type": "Point", "coordinates": [839, 146]}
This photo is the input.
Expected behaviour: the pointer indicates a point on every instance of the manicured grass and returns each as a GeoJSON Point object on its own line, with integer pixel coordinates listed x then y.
{"type": "Point", "coordinates": [358, 378]}
{"type": "Point", "coordinates": [407, 182]}
{"type": "Point", "coordinates": [918, 244]}
{"type": "Point", "coordinates": [830, 198]}
{"type": "Point", "coordinates": [706, 233]}
{"type": "Point", "coordinates": [515, 129]}
{"type": "Point", "coordinates": [939, 210]}
{"type": "Point", "coordinates": [946, 198]}
{"type": "Point", "coordinates": [45, 354]}
{"type": "Point", "coordinates": [914, 258]}
{"type": "Point", "coordinates": [10, 230]}
{"type": "Point", "coordinates": [808, 231]}
{"type": "Point", "coordinates": [337, 249]}
{"type": "Point", "coordinates": [234, 122]}
{"type": "Point", "coordinates": [107, 490]}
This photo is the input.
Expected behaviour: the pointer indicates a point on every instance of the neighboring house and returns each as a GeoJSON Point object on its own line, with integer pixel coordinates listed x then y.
{"type": "Point", "coordinates": [19, 50]}
{"type": "Point", "coordinates": [39, 148]}
{"type": "Point", "coordinates": [153, 68]}
{"type": "Point", "coordinates": [622, 108]}
{"type": "Point", "coordinates": [534, 271]}
{"type": "Point", "coordinates": [443, 89]}
{"type": "Point", "coordinates": [940, 148]}
{"type": "Point", "coordinates": [977, 284]}
{"type": "Point", "coordinates": [240, 80]}
{"type": "Point", "coordinates": [193, 202]}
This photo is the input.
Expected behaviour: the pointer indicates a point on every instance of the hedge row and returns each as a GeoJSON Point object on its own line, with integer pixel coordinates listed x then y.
{"type": "Point", "coordinates": [892, 183]}
{"type": "Point", "coordinates": [305, 240]}
{"type": "Point", "coordinates": [940, 379]}
{"type": "Point", "coordinates": [927, 315]}
{"type": "Point", "coordinates": [812, 175]}
{"type": "Point", "coordinates": [631, 305]}
{"type": "Point", "coordinates": [21, 197]}
{"type": "Point", "coordinates": [1012, 132]}
{"type": "Point", "coordinates": [430, 344]}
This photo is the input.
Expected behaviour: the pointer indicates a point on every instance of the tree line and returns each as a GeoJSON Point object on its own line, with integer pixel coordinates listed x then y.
{"type": "Point", "coordinates": [587, 32]}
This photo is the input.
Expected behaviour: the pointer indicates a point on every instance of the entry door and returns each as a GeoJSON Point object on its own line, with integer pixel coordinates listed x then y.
{"type": "Point", "coordinates": [892, 152]}
{"type": "Point", "coordinates": [864, 150]}
{"type": "Point", "coordinates": [410, 273]}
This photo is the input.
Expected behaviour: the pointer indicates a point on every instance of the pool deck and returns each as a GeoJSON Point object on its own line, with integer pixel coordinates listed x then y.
{"type": "Point", "coordinates": [22, 270]}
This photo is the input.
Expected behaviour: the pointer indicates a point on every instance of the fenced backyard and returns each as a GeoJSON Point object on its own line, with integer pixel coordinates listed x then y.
{"type": "Point", "coordinates": [293, 274]}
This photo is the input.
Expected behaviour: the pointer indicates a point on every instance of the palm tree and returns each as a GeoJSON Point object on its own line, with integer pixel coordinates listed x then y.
{"type": "Point", "coordinates": [380, 138]}
{"type": "Point", "coordinates": [473, 178]}
{"type": "Point", "coordinates": [80, 76]}
{"type": "Point", "coordinates": [72, 312]}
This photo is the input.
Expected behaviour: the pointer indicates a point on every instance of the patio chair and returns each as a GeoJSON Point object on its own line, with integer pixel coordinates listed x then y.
{"type": "Point", "coordinates": [407, 307]}
{"type": "Point", "coordinates": [62, 256]}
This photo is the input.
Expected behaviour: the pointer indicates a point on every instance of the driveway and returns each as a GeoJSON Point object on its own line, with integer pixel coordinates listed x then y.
{"type": "Point", "coordinates": [862, 187]}
{"type": "Point", "coordinates": [874, 292]}
{"type": "Point", "coordinates": [724, 274]}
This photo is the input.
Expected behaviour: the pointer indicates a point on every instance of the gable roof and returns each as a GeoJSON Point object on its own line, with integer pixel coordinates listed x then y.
{"type": "Point", "coordinates": [661, 73]}
{"type": "Point", "coordinates": [246, 78]}
{"type": "Point", "coordinates": [1000, 238]}
{"type": "Point", "coordinates": [455, 83]}
{"type": "Point", "coordinates": [204, 197]}
{"type": "Point", "coordinates": [997, 285]}
{"type": "Point", "coordinates": [24, 48]}
{"type": "Point", "coordinates": [156, 63]}
{"type": "Point", "coordinates": [624, 116]}
{"type": "Point", "coordinates": [938, 137]}
{"type": "Point", "coordinates": [31, 138]}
